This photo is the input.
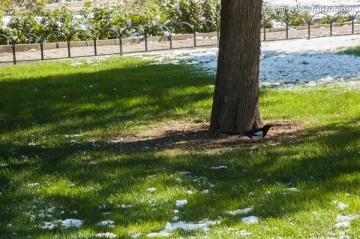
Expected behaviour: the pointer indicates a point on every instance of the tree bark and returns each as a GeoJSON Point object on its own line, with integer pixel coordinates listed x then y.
{"type": "Point", "coordinates": [236, 98]}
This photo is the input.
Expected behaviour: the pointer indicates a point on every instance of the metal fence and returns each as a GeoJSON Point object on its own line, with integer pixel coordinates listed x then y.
{"type": "Point", "coordinates": [311, 20]}
{"type": "Point", "coordinates": [121, 34]}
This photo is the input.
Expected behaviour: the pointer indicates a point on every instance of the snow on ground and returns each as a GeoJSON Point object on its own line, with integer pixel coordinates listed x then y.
{"type": "Point", "coordinates": [241, 211]}
{"type": "Point", "coordinates": [250, 220]}
{"type": "Point", "coordinates": [106, 235]}
{"type": "Point", "coordinates": [186, 226]}
{"type": "Point", "coordinates": [315, 3]}
{"type": "Point", "coordinates": [311, 62]}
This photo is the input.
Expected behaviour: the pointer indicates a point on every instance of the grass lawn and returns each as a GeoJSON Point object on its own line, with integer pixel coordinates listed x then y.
{"type": "Point", "coordinates": [121, 147]}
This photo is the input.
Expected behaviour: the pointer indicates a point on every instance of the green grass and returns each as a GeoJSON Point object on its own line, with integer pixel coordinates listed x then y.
{"type": "Point", "coordinates": [57, 160]}
{"type": "Point", "coordinates": [355, 51]}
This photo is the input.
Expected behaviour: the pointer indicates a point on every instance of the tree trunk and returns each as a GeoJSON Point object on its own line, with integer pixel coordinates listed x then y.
{"type": "Point", "coordinates": [236, 98]}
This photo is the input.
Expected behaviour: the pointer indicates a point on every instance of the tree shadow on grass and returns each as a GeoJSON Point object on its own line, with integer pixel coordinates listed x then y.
{"type": "Point", "coordinates": [84, 101]}
{"type": "Point", "coordinates": [275, 165]}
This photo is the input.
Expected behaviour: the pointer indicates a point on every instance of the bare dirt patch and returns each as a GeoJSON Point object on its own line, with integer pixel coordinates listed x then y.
{"type": "Point", "coordinates": [196, 136]}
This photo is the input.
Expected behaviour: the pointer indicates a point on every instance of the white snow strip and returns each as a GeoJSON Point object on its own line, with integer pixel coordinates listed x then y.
{"type": "Point", "coordinates": [250, 220]}
{"type": "Point", "coordinates": [200, 226]}
{"type": "Point", "coordinates": [151, 189]}
{"type": "Point", "coordinates": [218, 167]}
{"type": "Point", "coordinates": [341, 218]}
{"type": "Point", "coordinates": [106, 235]}
{"type": "Point", "coordinates": [137, 235]}
{"type": "Point", "coordinates": [109, 223]}
{"type": "Point", "coordinates": [48, 226]}
{"type": "Point", "coordinates": [181, 203]}
{"type": "Point", "coordinates": [342, 224]}
{"type": "Point", "coordinates": [341, 205]}
{"type": "Point", "coordinates": [241, 211]}
{"type": "Point", "coordinates": [159, 234]}
{"type": "Point", "coordinates": [170, 227]}
{"type": "Point", "coordinates": [71, 223]}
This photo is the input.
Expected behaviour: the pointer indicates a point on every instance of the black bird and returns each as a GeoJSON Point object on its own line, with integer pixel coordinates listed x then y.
{"type": "Point", "coordinates": [254, 135]}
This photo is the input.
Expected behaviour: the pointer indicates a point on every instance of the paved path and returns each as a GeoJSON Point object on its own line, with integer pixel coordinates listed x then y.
{"type": "Point", "coordinates": [61, 53]}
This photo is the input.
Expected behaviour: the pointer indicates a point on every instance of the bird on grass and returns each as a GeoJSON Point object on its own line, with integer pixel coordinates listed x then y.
{"type": "Point", "coordinates": [254, 135]}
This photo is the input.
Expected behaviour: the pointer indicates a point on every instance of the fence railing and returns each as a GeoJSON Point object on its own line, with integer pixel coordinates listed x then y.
{"type": "Point", "coordinates": [311, 20]}
{"type": "Point", "coordinates": [120, 34]}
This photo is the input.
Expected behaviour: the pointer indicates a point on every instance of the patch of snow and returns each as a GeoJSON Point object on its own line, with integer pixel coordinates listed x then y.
{"type": "Point", "coordinates": [202, 225]}
{"type": "Point", "coordinates": [344, 221]}
{"type": "Point", "coordinates": [33, 184]}
{"type": "Point", "coordinates": [250, 220]}
{"type": "Point", "coordinates": [124, 206]}
{"type": "Point", "coordinates": [48, 226]}
{"type": "Point", "coordinates": [241, 211]}
{"type": "Point", "coordinates": [76, 63]}
{"type": "Point", "coordinates": [170, 227]}
{"type": "Point", "coordinates": [109, 223]}
{"type": "Point", "coordinates": [181, 203]}
{"type": "Point", "coordinates": [218, 167]}
{"type": "Point", "coordinates": [341, 205]}
{"type": "Point", "coordinates": [137, 235]}
{"type": "Point", "coordinates": [341, 218]}
{"type": "Point", "coordinates": [159, 234]}
{"type": "Point", "coordinates": [106, 235]}
{"type": "Point", "coordinates": [342, 224]}
{"type": "Point", "coordinates": [67, 223]}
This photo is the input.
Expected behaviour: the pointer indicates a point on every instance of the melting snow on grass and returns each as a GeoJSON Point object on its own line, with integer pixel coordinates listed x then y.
{"type": "Point", "coordinates": [171, 227]}
{"type": "Point", "coordinates": [181, 203]}
{"type": "Point", "coordinates": [250, 220]}
{"type": "Point", "coordinates": [106, 235]}
{"type": "Point", "coordinates": [67, 223]}
{"type": "Point", "coordinates": [300, 61]}
{"type": "Point", "coordinates": [218, 167]}
{"type": "Point", "coordinates": [341, 205]}
{"type": "Point", "coordinates": [109, 223]}
{"type": "Point", "coordinates": [241, 211]}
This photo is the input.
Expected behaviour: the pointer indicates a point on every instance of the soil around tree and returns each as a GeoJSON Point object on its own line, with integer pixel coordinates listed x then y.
{"type": "Point", "coordinates": [197, 136]}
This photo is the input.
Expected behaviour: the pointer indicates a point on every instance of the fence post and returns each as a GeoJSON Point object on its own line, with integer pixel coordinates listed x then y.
{"type": "Point", "coordinates": [171, 45]}
{"type": "Point", "coordinates": [95, 47]}
{"type": "Point", "coordinates": [146, 43]}
{"type": "Point", "coordinates": [265, 33]}
{"type": "Point", "coordinates": [309, 30]}
{"type": "Point", "coordinates": [42, 49]}
{"type": "Point", "coordinates": [353, 25]}
{"type": "Point", "coordinates": [13, 45]}
{"type": "Point", "coordinates": [194, 37]}
{"type": "Point", "coordinates": [69, 51]}
{"type": "Point", "coordinates": [121, 46]}
{"type": "Point", "coordinates": [331, 28]}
